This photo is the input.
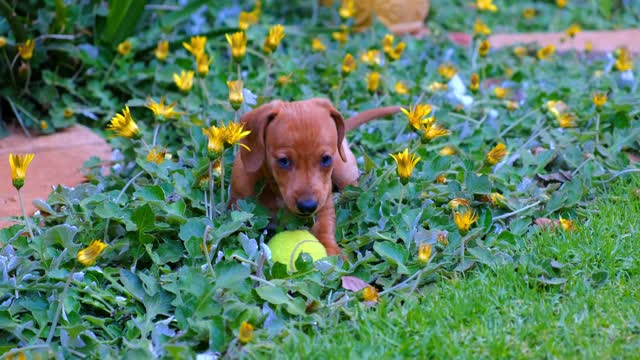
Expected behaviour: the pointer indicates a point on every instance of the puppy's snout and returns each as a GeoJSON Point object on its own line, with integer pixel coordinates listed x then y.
{"type": "Point", "coordinates": [307, 206]}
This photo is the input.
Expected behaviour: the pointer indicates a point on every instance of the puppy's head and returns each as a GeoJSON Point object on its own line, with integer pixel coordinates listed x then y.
{"type": "Point", "coordinates": [297, 142]}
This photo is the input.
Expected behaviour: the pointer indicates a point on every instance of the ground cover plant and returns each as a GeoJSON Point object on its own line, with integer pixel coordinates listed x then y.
{"type": "Point", "coordinates": [496, 149]}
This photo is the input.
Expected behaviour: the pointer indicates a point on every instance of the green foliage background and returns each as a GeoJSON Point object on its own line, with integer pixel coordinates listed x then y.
{"type": "Point", "coordinates": [152, 293]}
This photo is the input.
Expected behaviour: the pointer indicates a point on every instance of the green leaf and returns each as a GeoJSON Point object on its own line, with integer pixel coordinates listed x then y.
{"type": "Point", "coordinates": [122, 19]}
{"type": "Point", "coordinates": [477, 184]}
{"type": "Point", "coordinates": [277, 296]}
{"type": "Point", "coordinates": [393, 253]}
{"type": "Point", "coordinates": [144, 218]}
{"type": "Point", "coordinates": [230, 275]}
{"type": "Point", "coordinates": [132, 283]}
{"type": "Point", "coordinates": [152, 193]}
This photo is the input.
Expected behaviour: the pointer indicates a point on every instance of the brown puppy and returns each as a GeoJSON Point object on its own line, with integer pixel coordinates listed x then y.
{"type": "Point", "coordinates": [299, 151]}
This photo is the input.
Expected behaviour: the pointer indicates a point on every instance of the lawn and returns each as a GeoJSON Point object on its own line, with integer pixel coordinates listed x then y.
{"type": "Point", "coordinates": [504, 311]}
{"type": "Point", "coordinates": [511, 237]}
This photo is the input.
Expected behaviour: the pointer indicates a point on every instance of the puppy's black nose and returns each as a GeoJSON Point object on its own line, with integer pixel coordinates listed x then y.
{"type": "Point", "coordinates": [307, 206]}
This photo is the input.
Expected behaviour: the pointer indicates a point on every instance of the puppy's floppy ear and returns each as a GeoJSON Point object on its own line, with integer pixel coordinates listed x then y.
{"type": "Point", "coordinates": [337, 118]}
{"type": "Point", "coordinates": [256, 121]}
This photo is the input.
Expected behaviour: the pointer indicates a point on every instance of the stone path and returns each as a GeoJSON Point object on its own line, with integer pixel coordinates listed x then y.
{"type": "Point", "coordinates": [59, 158]}
{"type": "Point", "coordinates": [602, 41]}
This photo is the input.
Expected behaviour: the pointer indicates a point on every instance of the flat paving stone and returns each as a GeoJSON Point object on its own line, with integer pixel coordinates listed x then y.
{"type": "Point", "coordinates": [58, 160]}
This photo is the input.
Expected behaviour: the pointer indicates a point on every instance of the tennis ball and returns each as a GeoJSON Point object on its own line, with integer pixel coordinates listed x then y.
{"type": "Point", "coordinates": [286, 246]}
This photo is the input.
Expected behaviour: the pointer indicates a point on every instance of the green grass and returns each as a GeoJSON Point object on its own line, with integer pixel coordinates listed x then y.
{"type": "Point", "coordinates": [506, 312]}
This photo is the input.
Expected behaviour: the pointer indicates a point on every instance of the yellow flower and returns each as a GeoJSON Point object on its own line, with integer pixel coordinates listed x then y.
{"type": "Point", "coordinates": [26, 50]}
{"type": "Point", "coordinates": [556, 107]}
{"type": "Point", "coordinates": [599, 99]}
{"type": "Point", "coordinates": [465, 219]}
{"type": "Point", "coordinates": [447, 151]}
{"type": "Point", "coordinates": [44, 125]}
{"type": "Point", "coordinates": [447, 71]}
{"type": "Point", "coordinates": [196, 45]}
{"type": "Point", "coordinates": [424, 252]}
{"type": "Point", "coordinates": [317, 45]}
{"type": "Point", "coordinates": [387, 43]}
{"type": "Point", "coordinates": [573, 30]}
{"type": "Point", "coordinates": [405, 163]}
{"type": "Point", "coordinates": [511, 105]}
{"type": "Point", "coordinates": [161, 111]}
{"type": "Point", "coordinates": [349, 64]}
{"type": "Point", "coordinates": [234, 133]}
{"type": "Point", "coordinates": [497, 153]}
{"type": "Point", "coordinates": [567, 120]}
{"type": "Point", "coordinates": [246, 19]}
{"type": "Point", "coordinates": [396, 52]}
{"type": "Point", "coordinates": [480, 28]}
{"type": "Point", "coordinates": [373, 81]}
{"type": "Point", "coordinates": [567, 224]}
{"type": "Point", "coordinates": [341, 36]}
{"type": "Point", "coordinates": [124, 125]}
{"type": "Point", "coordinates": [162, 50]}
{"type": "Point", "coordinates": [245, 334]}
{"type": "Point", "coordinates": [486, 5]}
{"type": "Point", "coordinates": [347, 9]}
{"type": "Point", "coordinates": [441, 237]}
{"type": "Point", "coordinates": [371, 57]}
{"type": "Point", "coordinates": [124, 47]}
{"type": "Point", "coordinates": [588, 47]}
{"type": "Point", "coordinates": [370, 294]}
{"type": "Point", "coordinates": [417, 115]}
{"type": "Point", "coordinates": [520, 51]}
{"type": "Point", "coordinates": [484, 47]}
{"type": "Point", "coordinates": [500, 92]}
{"type": "Point", "coordinates": [497, 199]}
{"type": "Point", "coordinates": [68, 113]}
{"type": "Point", "coordinates": [155, 156]}
{"type": "Point", "coordinates": [454, 203]}
{"type": "Point", "coordinates": [89, 255]}
{"type": "Point", "coordinates": [529, 13]}
{"type": "Point", "coordinates": [202, 64]}
{"type": "Point", "coordinates": [561, 3]}
{"type": "Point", "coordinates": [546, 52]}
{"type": "Point", "coordinates": [238, 44]}
{"type": "Point", "coordinates": [624, 62]}
{"type": "Point", "coordinates": [19, 165]}
{"type": "Point", "coordinates": [401, 88]}
{"type": "Point", "coordinates": [271, 42]}
{"type": "Point", "coordinates": [437, 86]}
{"type": "Point", "coordinates": [3, 41]}
{"type": "Point", "coordinates": [235, 93]}
{"type": "Point", "coordinates": [184, 81]}
{"type": "Point", "coordinates": [474, 83]}
{"type": "Point", "coordinates": [284, 80]}
{"type": "Point", "coordinates": [434, 130]}
{"type": "Point", "coordinates": [216, 137]}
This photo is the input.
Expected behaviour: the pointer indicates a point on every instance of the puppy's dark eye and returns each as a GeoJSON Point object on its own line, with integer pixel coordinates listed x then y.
{"type": "Point", "coordinates": [284, 163]}
{"type": "Point", "coordinates": [326, 161]}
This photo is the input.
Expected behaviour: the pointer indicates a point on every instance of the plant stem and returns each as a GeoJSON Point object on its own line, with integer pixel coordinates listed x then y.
{"type": "Point", "coordinates": [597, 130]}
{"type": "Point", "coordinates": [205, 248]}
{"type": "Point", "coordinates": [212, 198]}
{"type": "Point", "coordinates": [59, 309]}
{"type": "Point", "coordinates": [24, 214]}
{"type": "Point", "coordinates": [6, 60]}
{"type": "Point", "coordinates": [155, 134]}
{"type": "Point", "coordinates": [222, 178]}
{"type": "Point", "coordinates": [106, 226]}
{"type": "Point", "coordinates": [504, 216]}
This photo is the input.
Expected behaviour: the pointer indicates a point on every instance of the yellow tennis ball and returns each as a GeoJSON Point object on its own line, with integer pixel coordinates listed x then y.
{"type": "Point", "coordinates": [286, 246]}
